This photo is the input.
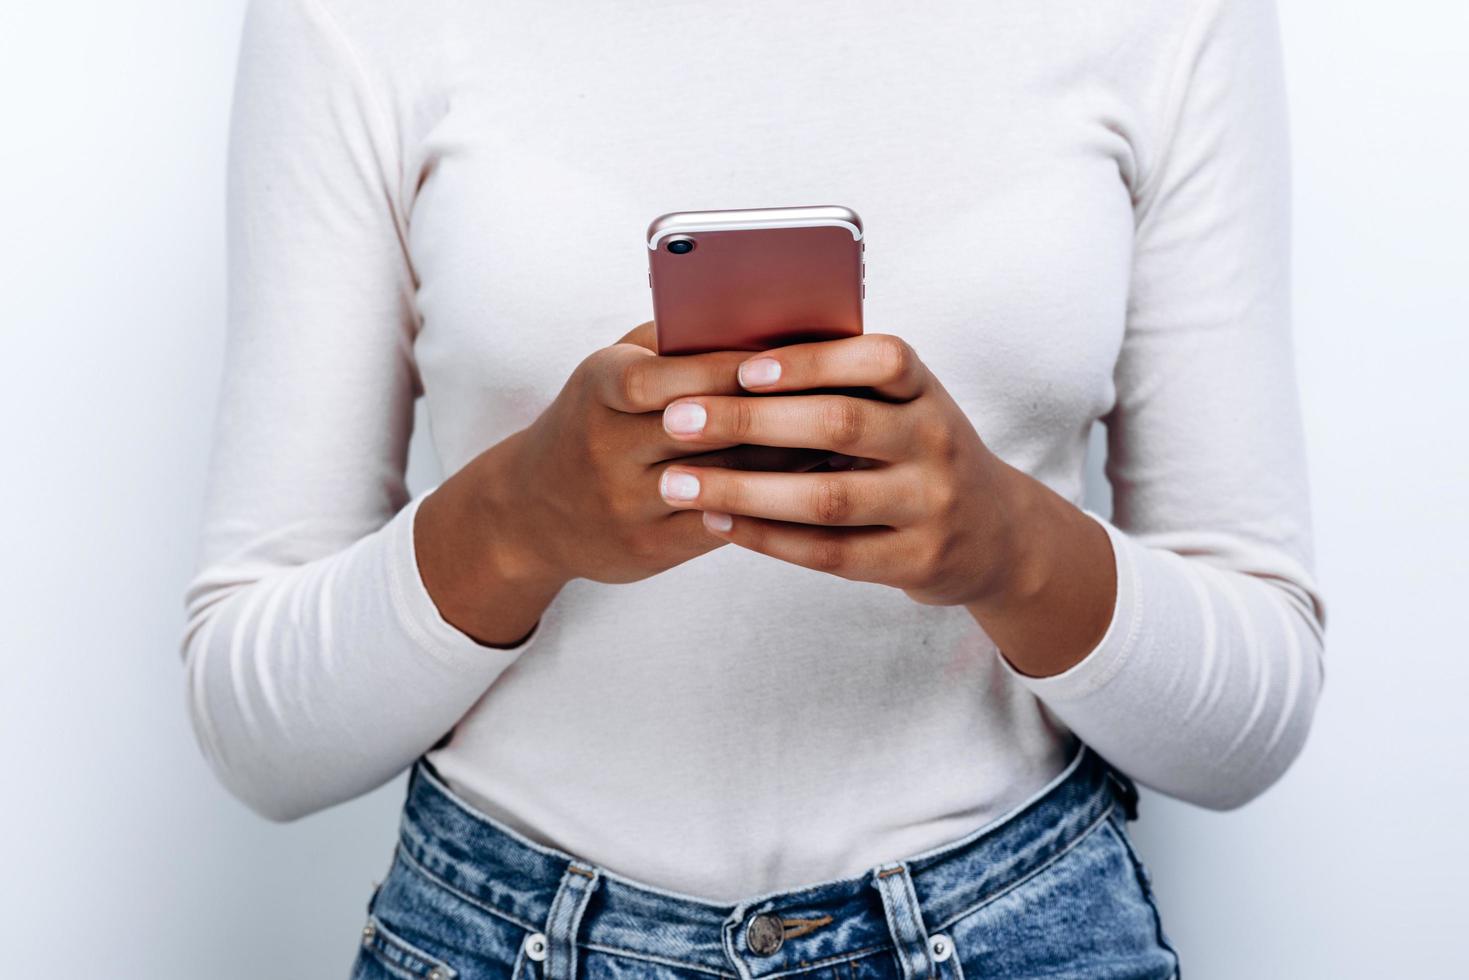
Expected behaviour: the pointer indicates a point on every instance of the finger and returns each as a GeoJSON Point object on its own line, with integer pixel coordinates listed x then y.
{"type": "Point", "coordinates": [760, 459]}
{"type": "Point", "coordinates": [642, 438]}
{"type": "Point", "coordinates": [882, 362]}
{"type": "Point", "coordinates": [685, 536]}
{"type": "Point", "coordinates": [630, 378]}
{"type": "Point", "coordinates": [832, 499]}
{"type": "Point", "coordinates": [863, 554]}
{"type": "Point", "coordinates": [839, 423]}
{"type": "Point", "coordinates": [654, 445]}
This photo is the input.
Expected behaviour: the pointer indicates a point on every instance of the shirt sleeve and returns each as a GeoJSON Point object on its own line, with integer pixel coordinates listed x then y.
{"type": "Point", "coordinates": [1205, 683]}
{"type": "Point", "coordinates": [317, 664]}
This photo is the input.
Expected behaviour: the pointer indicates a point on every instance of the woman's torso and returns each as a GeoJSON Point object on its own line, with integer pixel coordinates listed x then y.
{"type": "Point", "coordinates": [737, 725]}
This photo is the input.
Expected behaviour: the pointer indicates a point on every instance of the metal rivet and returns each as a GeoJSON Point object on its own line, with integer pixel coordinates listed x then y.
{"type": "Point", "coordinates": [940, 947]}
{"type": "Point", "coordinates": [766, 934]}
{"type": "Point", "coordinates": [535, 946]}
{"type": "Point", "coordinates": [368, 931]}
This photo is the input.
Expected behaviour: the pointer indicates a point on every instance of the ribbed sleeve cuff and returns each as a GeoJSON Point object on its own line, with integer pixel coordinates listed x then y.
{"type": "Point", "coordinates": [421, 619]}
{"type": "Point", "coordinates": [1107, 659]}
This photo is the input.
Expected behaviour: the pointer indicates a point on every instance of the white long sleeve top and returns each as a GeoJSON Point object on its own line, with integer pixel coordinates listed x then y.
{"type": "Point", "coordinates": [1073, 213]}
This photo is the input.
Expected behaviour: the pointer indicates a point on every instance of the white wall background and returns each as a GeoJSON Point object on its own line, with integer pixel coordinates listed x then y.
{"type": "Point", "coordinates": [121, 856]}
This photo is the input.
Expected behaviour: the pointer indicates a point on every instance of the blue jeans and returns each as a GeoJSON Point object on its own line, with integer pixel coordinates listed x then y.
{"type": "Point", "coordinates": [1054, 889]}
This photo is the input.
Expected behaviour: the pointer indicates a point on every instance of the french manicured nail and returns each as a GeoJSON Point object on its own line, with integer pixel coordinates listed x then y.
{"type": "Point", "coordinates": [678, 486]}
{"type": "Point", "coordinates": [685, 418]}
{"type": "Point", "coordinates": [716, 521]}
{"type": "Point", "coordinates": [759, 372]}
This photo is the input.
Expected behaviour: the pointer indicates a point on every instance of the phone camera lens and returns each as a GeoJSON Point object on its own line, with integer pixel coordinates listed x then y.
{"type": "Point", "coordinates": [680, 246]}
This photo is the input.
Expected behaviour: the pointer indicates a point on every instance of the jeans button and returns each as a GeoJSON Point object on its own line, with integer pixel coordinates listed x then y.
{"type": "Point", "coordinates": [535, 946]}
{"type": "Point", "coordinates": [765, 935]}
{"type": "Point", "coordinates": [940, 946]}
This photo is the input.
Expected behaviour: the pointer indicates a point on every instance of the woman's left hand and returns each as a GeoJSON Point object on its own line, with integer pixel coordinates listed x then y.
{"type": "Point", "coordinates": [936, 513]}
{"type": "Point", "coordinates": [931, 516]}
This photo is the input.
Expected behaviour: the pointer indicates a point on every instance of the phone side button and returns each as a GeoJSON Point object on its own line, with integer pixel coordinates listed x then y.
{"type": "Point", "coordinates": [650, 280]}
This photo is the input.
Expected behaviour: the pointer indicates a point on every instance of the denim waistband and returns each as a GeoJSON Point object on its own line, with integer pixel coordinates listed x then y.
{"type": "Point", "coordinates": [582, 904]}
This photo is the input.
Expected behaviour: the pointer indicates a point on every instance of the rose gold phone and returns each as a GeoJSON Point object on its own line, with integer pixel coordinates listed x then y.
{"type": "Point", "coordinates": [755, 278]}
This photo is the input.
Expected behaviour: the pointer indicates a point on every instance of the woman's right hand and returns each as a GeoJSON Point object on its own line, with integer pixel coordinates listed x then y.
{"type": "Point", "coordinates": [575, 494]}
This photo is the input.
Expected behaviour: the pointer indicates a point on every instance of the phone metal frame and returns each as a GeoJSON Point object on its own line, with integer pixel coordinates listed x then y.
{"type": "Point", "coordinates": [750, 219]}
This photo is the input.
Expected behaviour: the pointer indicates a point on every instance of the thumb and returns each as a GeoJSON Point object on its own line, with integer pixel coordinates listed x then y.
{"type": "Point", "coordinates": [642, 335]}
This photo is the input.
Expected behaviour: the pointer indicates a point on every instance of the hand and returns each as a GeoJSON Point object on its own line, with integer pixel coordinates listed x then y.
{"type": "Point", "coordinates": [930, 510]}
{"type": "Point", "coordinates": [925, 518]}
{"type": "Point", "coordinates": [574, 494]}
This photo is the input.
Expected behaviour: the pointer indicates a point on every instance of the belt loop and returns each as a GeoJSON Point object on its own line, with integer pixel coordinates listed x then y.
{"type": "Point", "coordinates": [564, 920]}
{"type": "Point", "coordinates": [1126, 790]}
{"type": "Point", "coordinates": [905, 921]}
{"type": "Point", "coordinates": [731, 927]}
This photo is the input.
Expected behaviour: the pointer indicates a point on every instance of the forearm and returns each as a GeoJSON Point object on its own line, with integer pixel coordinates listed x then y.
{"type": "Point", "coordinates": [1198, 680]}
{"type": "Point", "coordinates": [311, 684]}
{"type": "Point", "coordinates": [1055, 592]}
{"type": "Point", "coordinates": [1206, 680]}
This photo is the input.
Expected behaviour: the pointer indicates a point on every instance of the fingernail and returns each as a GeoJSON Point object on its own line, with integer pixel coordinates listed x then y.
{"type": "Point", "coordinates": [678, 486]}
{"type": "Point", "coordinates": [685, 418]}
{"type": "Point", "coordinates": [716, 521]}
{"type": "Point", "coordinates": [759, 372]}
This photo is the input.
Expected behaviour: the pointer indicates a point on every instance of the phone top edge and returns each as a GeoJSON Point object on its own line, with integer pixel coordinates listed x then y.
{"type": "Point", "coordinates": [748, 219]}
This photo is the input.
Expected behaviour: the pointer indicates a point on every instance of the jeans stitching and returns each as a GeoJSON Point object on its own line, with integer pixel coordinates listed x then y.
{"type": "Point", "coordinates": [651, 958]}
{"type": "Point", "coordinates": [848, 955]}
{"type": "Point", "coordinates": [521, 959]}
{"type": "Point", "coordinates": [391, 938]}
{"type": "Point", "coordinates": [1011, 886]}
{"type": "Point", "coordinates": [957, 967]}
{"type": "Point", "coordinates": [1140, 874]}
{"type": "Point", "coordinates": [418, 866]}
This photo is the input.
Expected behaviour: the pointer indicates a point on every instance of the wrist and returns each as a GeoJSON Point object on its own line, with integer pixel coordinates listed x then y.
{"type": "Point", "coordinates": [516, 543]}
{"type": "Point", "coordinates": [1020, 569]}
{"type": "Point", "coordinates": [1050, 603]}
{"type": "Point", "coordinates": [473, 559]}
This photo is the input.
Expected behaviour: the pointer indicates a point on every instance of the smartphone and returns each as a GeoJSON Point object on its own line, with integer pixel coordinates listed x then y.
{"type": "Point", "coordinates": [755, 278]}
